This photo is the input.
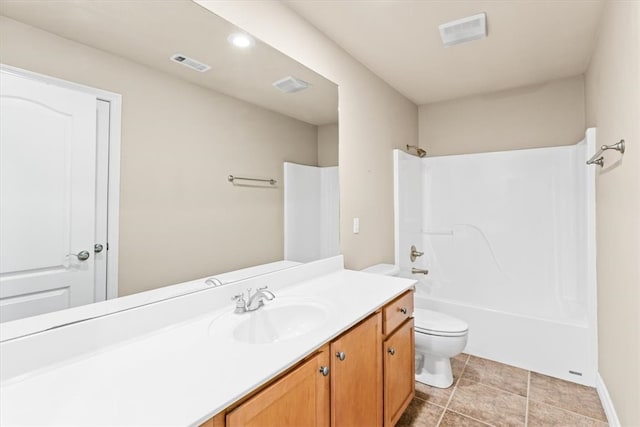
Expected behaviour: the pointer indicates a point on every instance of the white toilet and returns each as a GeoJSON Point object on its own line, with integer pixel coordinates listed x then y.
{"type": "Point", "coordinates": [439, 337]}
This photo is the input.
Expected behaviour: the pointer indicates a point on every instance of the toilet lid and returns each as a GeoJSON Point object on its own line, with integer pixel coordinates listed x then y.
{"type": "Point", "coordinates": [429, 321]}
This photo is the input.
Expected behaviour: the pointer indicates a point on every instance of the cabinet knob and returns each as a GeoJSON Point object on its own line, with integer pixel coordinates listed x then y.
{"type": "Point", "coordinates": [340, 355]}
{"type": "Point", "coordinates": [391, 351]}
{"type": "Point", "coordinates": [324, 370]}
{"type": "Point", "coordinates": [403, 310]}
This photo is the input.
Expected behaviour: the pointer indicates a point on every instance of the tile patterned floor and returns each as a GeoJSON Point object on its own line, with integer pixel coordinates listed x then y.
{"type": "Point", "coordinates": [485, 392]}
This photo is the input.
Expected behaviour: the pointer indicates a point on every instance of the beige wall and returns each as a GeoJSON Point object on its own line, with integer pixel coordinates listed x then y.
{"type": "Point", "coordinates": [613, 105]}
{"type": "Point", "coordinates": [373, 117]}
{"type": "Point", "coordinates": [328, 145]}
{"type": "Point", "coordinates": [542, 115]}
{"type": "Point", "coordinates": [180, 218]}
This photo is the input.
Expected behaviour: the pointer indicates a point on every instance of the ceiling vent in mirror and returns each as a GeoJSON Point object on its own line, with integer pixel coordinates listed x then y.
{"type": "Point", "coordinates": [190, 62]}
{"type": "Point", "coordinates": [291, 84]}
{"type": "Point", "coordinates": [464, 30]}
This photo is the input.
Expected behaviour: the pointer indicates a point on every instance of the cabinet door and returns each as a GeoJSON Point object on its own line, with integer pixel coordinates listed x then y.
{"type": "Point", "coordinates": [399, 372]}
{"type": "Point", "coordinates": [356, 376]}
{"type": "Point", "coordinates": [300, 398]}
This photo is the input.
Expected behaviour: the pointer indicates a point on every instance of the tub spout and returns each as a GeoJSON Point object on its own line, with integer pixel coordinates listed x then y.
{"type": "Point", "coordinates": [419, 271]}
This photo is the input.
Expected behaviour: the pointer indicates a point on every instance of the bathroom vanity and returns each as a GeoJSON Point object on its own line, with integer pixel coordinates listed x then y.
{"type": "Point", "coordinates": [375, 356]}
{"type": "Point", "coordinates": [335, 347]}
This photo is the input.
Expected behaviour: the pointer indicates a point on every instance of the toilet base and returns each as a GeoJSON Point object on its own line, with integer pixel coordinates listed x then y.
{"type": "Point", "coordinates": [435, 372]}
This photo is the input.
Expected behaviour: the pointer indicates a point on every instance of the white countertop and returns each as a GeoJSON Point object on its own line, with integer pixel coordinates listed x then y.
{"type": "Point", "coordinates": [33, 324]}
{"type": "Point", "coordinates": [184, 373]}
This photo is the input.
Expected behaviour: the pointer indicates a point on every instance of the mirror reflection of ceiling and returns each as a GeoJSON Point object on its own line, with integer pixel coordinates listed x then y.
{"type": "Point", "coordinates": [126, 28]}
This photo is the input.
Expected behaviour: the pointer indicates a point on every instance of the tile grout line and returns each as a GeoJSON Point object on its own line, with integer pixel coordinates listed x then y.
{"type": "Point", "coordinates": [455, 386]}
{"type": "Point", "coordinates": [570, 411]}
{"type": "Point", "coordinates": [496, 388]}
{"type": "Point", "coordinates": [526, 410]}
{"type": "Point", "coordinates": [472, 418]}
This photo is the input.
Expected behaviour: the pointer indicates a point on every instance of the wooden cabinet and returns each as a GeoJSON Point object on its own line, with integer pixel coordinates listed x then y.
{"type": "Point", "coordinates": [399, 372]}
{"type": "Point", "coordinates": [365, 377]}
{"type": "Point", "coordinates": [300, 398]}
{"type": "Point", "coordinates": [217, 421]}
{"type": "Point", "coordinates": [356, 375]}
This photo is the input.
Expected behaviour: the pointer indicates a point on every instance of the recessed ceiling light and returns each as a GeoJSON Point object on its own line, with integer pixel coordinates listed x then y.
{"type": "Point", "coordinates": [241, 40]}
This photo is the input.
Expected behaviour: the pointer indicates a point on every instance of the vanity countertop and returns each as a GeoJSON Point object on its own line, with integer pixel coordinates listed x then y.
{"type": "Point", "coordinates": [185, 373]}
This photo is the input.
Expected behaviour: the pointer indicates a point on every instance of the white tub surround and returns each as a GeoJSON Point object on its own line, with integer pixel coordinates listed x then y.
{"type": "Point", "coordinates": [509, 242]}
{"type": "Point", "coordinates": [170, 363]}
{"type": "Point", "coordinates": [311, 212]}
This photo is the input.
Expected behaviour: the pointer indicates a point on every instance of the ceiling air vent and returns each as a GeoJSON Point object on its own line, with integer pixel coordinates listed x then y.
{"type": "Point", "coordinates": [464, 30]}
{"type": "Point", "coordinates": [190, 62]}
{"type": "Point", "coordinates": [291, 84]}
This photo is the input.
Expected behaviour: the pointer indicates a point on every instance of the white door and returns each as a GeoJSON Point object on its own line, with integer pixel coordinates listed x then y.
{"type": "Point", "coordinates": [47, 197]}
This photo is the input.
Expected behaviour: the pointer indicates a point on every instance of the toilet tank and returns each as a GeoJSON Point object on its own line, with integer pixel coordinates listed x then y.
{"type": "Point", "coordinates": [384, 269]}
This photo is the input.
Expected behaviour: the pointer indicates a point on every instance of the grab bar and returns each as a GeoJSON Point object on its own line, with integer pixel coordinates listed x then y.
{"type": "Point", "coordinates": [598, 158]}
{"type": "Point", "coordinates": [232, 178]}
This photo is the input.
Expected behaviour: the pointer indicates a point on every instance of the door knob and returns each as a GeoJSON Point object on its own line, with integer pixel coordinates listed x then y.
{"type": "Point", "coordinates": [97, 248]}
{"type": "Point", "coordinates": [392, 351]}
{"type": "Point", "coordinates": [324, 370]}
{"type": "Point", "coordinates": [82, 256]}
{"type": "Point", "coordinates": [340, 355]}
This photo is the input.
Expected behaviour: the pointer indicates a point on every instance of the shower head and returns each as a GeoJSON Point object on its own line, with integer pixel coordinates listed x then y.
{"type": "Point", "coordinates": [419, 151]}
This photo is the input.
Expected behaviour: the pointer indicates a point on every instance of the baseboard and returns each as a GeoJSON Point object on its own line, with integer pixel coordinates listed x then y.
{"type": "Point", "coordinates": [607, 403]}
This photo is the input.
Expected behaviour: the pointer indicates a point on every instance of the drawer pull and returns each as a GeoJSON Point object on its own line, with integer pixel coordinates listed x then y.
{"type": "Point", "coordinates": [340, 355]}
{"type": "Point", "coordinates": [391, 351]}
{"type": "Point", "coordinates": [403, 310]}
{"type": "Point", "coordinates": [324, 370]}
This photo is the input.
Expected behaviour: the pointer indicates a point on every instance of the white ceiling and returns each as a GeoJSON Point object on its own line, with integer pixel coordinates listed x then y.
{"type": "Point", "coordinates": [150, 31]}
{"type": "Point", "coordinates": [529, 41]}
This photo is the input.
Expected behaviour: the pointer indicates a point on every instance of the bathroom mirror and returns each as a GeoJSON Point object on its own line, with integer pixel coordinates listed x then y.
{"type": "Point", "coordinates": [184, 131]}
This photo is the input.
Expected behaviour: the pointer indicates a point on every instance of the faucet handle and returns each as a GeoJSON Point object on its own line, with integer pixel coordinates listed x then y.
{"type": "Point", "coordinates": [239, 299]}
{"type": "Point", "coordinates": [263, 288]}
{"type": "Point", "coordinates": [241, 306]}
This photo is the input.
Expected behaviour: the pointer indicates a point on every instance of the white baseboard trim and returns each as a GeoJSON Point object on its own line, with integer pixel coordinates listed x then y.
{"type": "Point", "coordinates": [607, 403]}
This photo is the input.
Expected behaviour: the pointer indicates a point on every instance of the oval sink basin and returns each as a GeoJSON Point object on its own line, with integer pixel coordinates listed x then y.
{"type": "Point", "coordinates": [279, 323]}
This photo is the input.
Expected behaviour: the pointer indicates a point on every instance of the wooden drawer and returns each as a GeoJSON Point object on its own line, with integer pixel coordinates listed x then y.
{"type": "Point", "coordinates": [396, 312]}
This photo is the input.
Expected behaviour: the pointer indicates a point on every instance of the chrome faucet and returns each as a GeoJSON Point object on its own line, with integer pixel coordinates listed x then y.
{"type": "Point", "coordinates": [255, 301]}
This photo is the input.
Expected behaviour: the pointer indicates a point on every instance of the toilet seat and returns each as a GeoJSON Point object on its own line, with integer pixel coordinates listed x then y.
{"type": "Point", "coordinates": [435, 323]}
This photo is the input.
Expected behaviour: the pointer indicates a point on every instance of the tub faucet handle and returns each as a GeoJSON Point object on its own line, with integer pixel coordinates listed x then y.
{"type": "Point", "coordinates": [415, 253]}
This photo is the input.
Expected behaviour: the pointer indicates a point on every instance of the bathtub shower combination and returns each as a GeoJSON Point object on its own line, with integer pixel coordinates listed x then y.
{"type": "Point", "coordinates": [509, 242]}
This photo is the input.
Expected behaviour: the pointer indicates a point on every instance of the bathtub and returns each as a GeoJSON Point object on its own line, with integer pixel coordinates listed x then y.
{"type": "Point", "coordinates": [555, 344]}
{"type": "Point", "coordinates": [509, 241]}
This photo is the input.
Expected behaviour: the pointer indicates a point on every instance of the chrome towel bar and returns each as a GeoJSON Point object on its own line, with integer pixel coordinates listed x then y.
{"type": "Point", "coordinates": [232, 178]}
{"type": "Point", "coordinates": [598, 158]}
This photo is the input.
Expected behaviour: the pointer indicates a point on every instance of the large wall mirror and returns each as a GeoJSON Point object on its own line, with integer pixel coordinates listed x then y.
{"type": "Point", "coordinates": [183, 132]}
